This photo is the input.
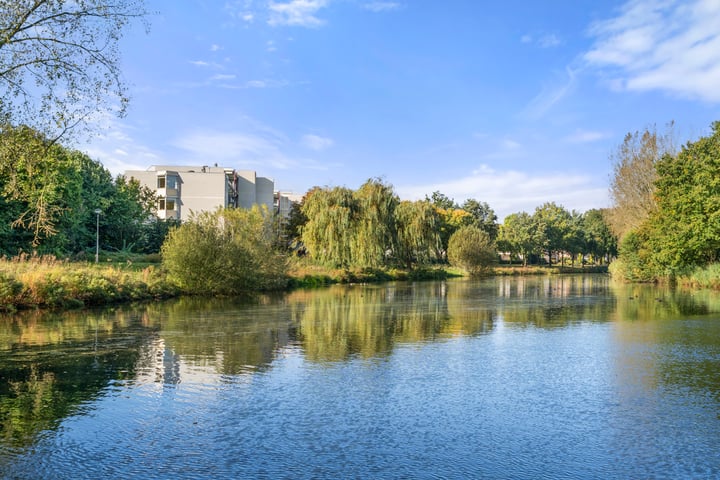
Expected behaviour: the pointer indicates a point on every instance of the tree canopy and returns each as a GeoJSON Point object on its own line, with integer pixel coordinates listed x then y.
{"type": "Point", "coordinates": [682, 232]}
{"type": "Point", "coordinates": [59, 61]}
{"type": "Point", "coordinates": [49, 194]}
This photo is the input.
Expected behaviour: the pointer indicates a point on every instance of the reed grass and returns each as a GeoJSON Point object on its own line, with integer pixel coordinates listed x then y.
{"type": "Point", "coordinates": [30, 281]}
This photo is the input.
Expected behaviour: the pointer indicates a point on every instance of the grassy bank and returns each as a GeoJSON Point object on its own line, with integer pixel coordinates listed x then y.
{"type": "Point", "coordinates": [46, 282]}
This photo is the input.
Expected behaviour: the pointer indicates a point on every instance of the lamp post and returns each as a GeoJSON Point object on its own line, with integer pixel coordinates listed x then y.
{"type": "Point", "coordinates": [97, 235]}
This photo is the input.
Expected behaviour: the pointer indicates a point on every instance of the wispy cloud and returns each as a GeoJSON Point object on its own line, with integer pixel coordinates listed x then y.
{"type": "Point", "coordinates": [256, 146]}
{"type": "Point", "coordinates": [543, 40]}
{"type": "Point", "coordinates": [118, 151]}
{"type": "Point", "coordinates": [586, 136]}
{"type": "Point", "coordinates": [316, 142]}
{"type": "Point", "coordinates": [269, 83]}
{"type": "Point", "coordinates": [510, 191]}
{"type": "Point", "coordinates": [669, 46]}
{"type": "Point", "coordinates": [205, 64]}
{"type": "Point", "coordinates": [301, 13]}
{"type": "Point", "coordinates": [378, 7]}
{"type": "Point", "coordinates": [223, 77]}
{"type": "Point", "coordinates": [551, 95]}
{"type": "Point", "coordinates": [231, 148]}
{"type": "Point", "coordinates": [242, 10]}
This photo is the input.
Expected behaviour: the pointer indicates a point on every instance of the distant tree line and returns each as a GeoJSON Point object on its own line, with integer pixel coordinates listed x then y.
{"type": "Point", "coordinates": [371, 228]}
{"type": "Point", "coordinates": [49, 194]}
{"type": "Point", "coordinates": [554, 234]}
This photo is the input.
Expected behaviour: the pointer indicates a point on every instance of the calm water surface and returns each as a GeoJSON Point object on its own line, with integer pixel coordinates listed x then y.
{"type": "Point", "coordinates": [541, 377]}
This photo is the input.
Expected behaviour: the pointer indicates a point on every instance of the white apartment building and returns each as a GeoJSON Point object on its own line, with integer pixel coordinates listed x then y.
{"type": "Point", "coordinates": [182, 190]}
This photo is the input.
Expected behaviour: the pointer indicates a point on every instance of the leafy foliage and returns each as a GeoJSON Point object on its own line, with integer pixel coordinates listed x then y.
{"type": "Point", "coordinates": [226, 252]}
{"type": "Point", "coordinates": [519, 236]}
{"type": "Point", "coordinates": [49, 195]}
{"type": "Point", "coordinates": [374, 227]}
{"type": "Point", "coordinates": [682, 233]}
{"type": "Point", "coordinates": [328, 232]}
{"type": "Point", "coordinates": [59, 60]}
{"type": "Point", "coordinates": [472, 249]}
{"type": "Point", "coordinates": [417, 236]}
{"type": "Point", "coordinates": [685, 230]}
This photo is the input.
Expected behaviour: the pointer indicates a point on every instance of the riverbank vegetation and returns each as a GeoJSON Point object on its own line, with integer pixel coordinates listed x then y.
{"type": "Point", "coordinates": [47, 282]}
{"type": "Point", "coordinates": [675, 236]}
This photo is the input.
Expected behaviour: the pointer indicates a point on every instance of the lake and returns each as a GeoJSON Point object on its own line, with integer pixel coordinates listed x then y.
{"type": "Point", "coordinates": [556, 377]}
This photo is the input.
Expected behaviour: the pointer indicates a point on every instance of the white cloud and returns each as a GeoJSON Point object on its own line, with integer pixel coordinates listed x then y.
{"type": "Point", "coordinates": [669, 46]}
{"type": "Point", "coordinates": [381, 6]}
{"type": "Point", "coordinates": [586, 136]}
{"type": "Point", "coordinates": [215, 47]}
{"type": "Point", "coordinates": [241, 10]}
{"type": "Point", "coordinates": [300, 13]}
{"type": "Point", "coordinates": [511, 191]}
{"type": "Point", "coordinates": [316, 142]}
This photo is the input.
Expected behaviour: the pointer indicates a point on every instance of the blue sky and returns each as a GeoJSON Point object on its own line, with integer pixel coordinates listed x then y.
{"type": "Point", "coordinates": [513, 103]}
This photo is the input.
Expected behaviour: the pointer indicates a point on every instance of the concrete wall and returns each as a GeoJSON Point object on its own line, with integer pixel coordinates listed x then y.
{"type": "Point", "coordinates": [203, 188]}
{"type": "Point", "coordinates": [264, 192]}
{"type": "Point", "coordinates": [202, 192]}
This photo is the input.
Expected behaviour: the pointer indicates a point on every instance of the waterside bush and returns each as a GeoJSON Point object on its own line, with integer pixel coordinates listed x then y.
{"type": "Point", "coordinates": [706, 277]}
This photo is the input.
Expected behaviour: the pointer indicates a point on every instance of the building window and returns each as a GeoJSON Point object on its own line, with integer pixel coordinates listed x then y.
{"type": "Point", "coordinates": [166, 204]}
{"type": "Point", "coordinates": [161, 182]}
{"type": "Point", "coordinates": [171, 182]}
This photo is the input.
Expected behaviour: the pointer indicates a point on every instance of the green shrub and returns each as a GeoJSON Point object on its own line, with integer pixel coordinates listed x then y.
{"type": "Point", "coordinates": [225, 252]}
{"type": "Point", "coordinates": [10, 290]}
{"type": "Point", "coordinates": [472, 249]}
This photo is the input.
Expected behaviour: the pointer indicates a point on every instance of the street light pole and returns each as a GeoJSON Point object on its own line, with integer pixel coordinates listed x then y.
{"type": "Point", "coordinates": [97, 235]}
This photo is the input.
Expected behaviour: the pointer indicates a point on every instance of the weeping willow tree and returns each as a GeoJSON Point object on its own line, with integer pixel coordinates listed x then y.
{"type": "Point", "coordinates": [328, 232]}
{"type": "Point", "coordinates": [374, 230]}
{"type": "Point", "coordinates": [416, 224]}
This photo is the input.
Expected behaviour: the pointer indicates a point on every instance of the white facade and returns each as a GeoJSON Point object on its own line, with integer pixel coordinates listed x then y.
{"type": "Point", "coordinates": [182, 190]}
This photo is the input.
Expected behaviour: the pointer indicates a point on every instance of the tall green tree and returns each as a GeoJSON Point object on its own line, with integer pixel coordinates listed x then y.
{"type": "Point", "coordinates": [519, 235]}
{"type": "Point", "coordinates": [49, 194]}
{"type": "Point", "coordinates": [38, 183]}
{"type": "Point", "coordinates": [60, 62]}
{"type": "Point", "coordinates": [685, 228]}
{"type": "Point", "coordinates": [483, 216]}
{"type": "Point", "coordinates": [441, 201]}
{"type": "Point", "coordinates": [374, 228]}
{"type": "Point", "coordinates": [416, 224]}
{"type": "Point", "coordinates": [331, 217]}
{"type": "Point", "coordinates": [554, 225]}
{"type": "Point", "coordinates": [599, 239]}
